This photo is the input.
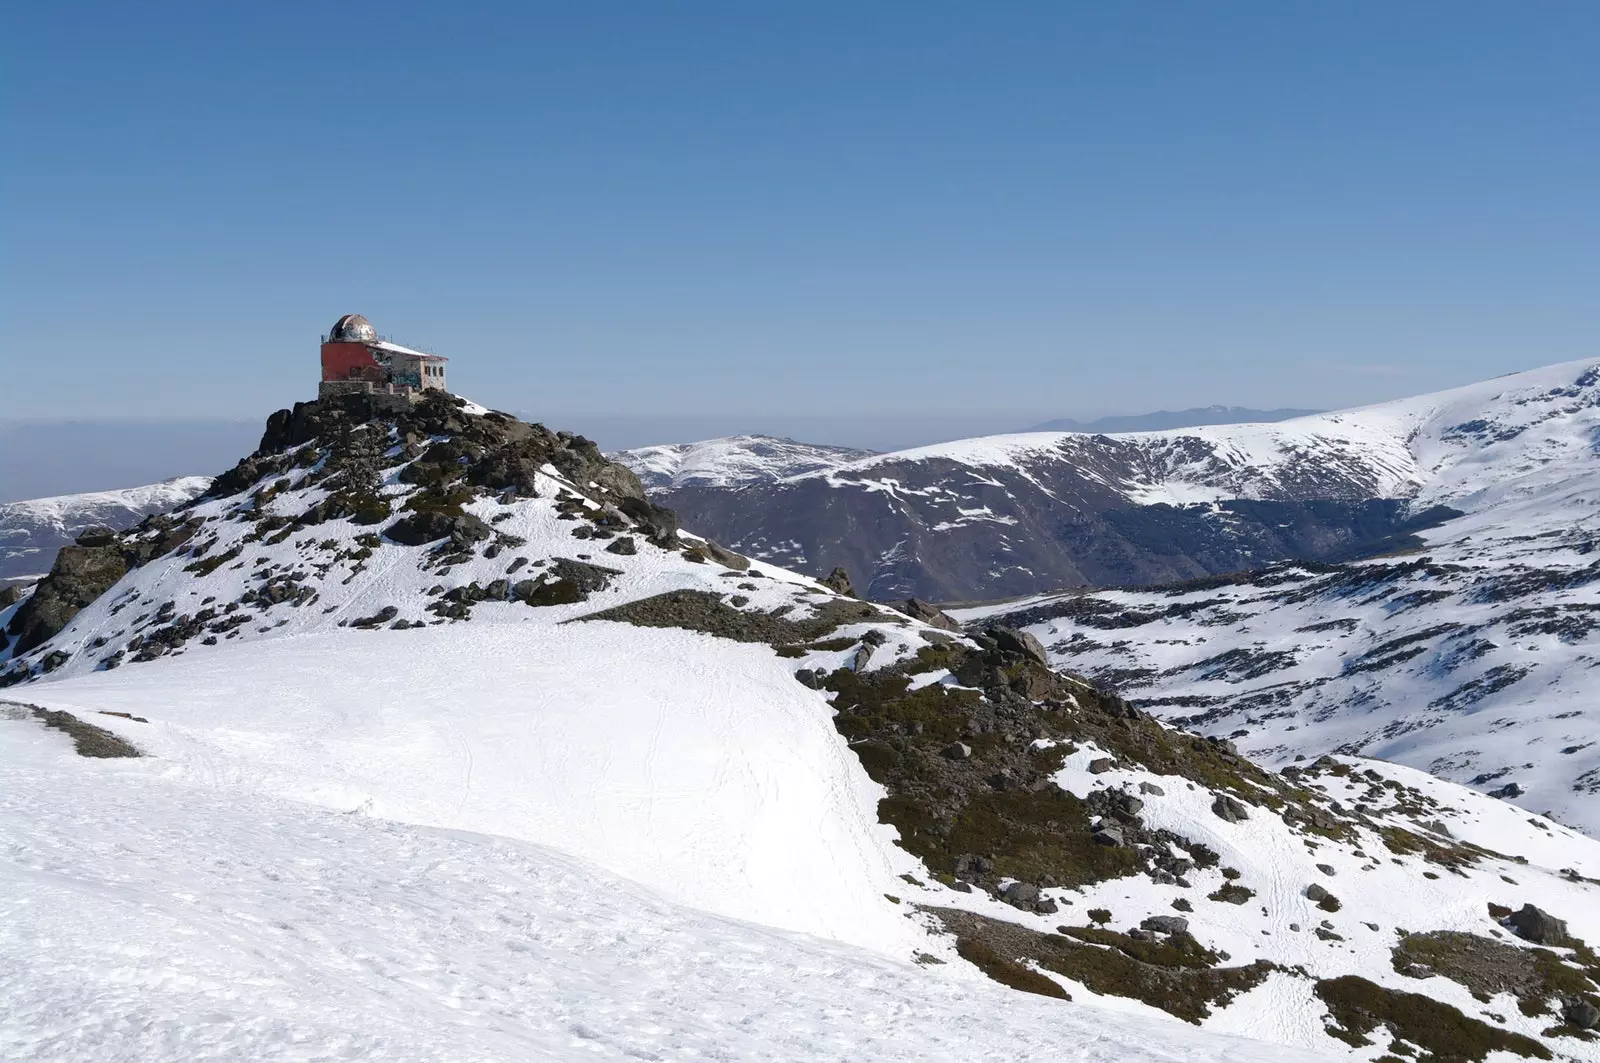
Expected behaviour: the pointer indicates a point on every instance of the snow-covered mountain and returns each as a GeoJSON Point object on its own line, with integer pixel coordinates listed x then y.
{"type": "Point", "coordinates": [1008, 515]}
{"type": "Point", "coordinates": [1165, 419]}
{"type": "Point", "coordinates": [31, 532]}
{"type": "Point", "coordinates": [1471, 655]}
{"type": "Point", "coordinates": [452, 744]}
{"type": "Point", "coordinates": [732, 461]}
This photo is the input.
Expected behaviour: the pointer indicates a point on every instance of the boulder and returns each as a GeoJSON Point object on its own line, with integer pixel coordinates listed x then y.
{"type": "Point", "coordinates": [1165, 924]}
{"type": "Point", "coordinates": [1010, 640]}
{"type": "Point", "coordinates": [928, 613]}
{"type": "Point", "coordinates": [958, 751]}
{"type": "Point", "coordinates": [623, 545]}
{"type": "Point", "coordinates": [1151, 789]}
{"type": "Point", "coordinates": [1538, 926]}
{"type": "Point", "coordinates": [96, 536]}
{"type": "Point", "coordinates": [1229, 810]}
{"type": "Point", "coordinates": [1101, 765]}
{"type": "Point", "coordinates": [1315, 892]}
{"type": "Point", "coordinates": [1021, 895]}
{"type": "Point", "coordinates": [838, 581]}
{"type": "Point", "coordinates": [1110, 837]}
{"type": "Point", "coordinates": [1582, 1015]}
{"type": "Point", "coordinates": [725, 557]}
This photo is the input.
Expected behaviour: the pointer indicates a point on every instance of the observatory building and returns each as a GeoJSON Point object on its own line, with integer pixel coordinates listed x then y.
{"type": "Point", "coordinates": [355, 360]}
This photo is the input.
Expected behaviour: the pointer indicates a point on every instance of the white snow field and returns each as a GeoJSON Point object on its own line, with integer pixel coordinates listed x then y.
{"type": "Point", "coordinates": [693, 765]}
{"type": "Point", "coordinates": [146, 916]}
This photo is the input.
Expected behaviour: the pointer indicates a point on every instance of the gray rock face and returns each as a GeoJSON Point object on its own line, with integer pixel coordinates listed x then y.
{"type": "Point", "coordinates": [1229, 810]}
{"type": "Point", "coordinates": [1538, 926]}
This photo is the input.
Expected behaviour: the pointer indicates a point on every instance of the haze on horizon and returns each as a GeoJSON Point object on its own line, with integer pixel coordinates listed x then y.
{"type": "Point", "coordinates": [728, 215]}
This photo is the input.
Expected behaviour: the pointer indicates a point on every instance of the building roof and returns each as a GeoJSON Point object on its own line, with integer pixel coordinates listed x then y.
{"type": "Point", "coordinates": [352, 328]}
{"type": "Point", "coordinates": [395, 348]}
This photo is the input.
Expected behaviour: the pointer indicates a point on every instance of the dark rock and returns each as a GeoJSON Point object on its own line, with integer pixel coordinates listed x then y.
{"type": "Point", "coordinates": [1101, 765]}
{"type": "Point", "coordinates": [928, 613]}
{"type": "Point", "coordinates": [1165, 924]}
{"type": "Point", "coordinates": [838, 581]}
{"type": "Point", "coordinates": [1315, 892]}
{"type": "Point", "coordinates": [96, 536]}
{"type": "Point", "coordinates": [1152, 789]}
{"type": "Point", "coordinates": [381, 617]}
{"type": "Point", "coordinates": [1109, 836]}
{"type": "Point", "coordinates": [1582, 1015]}
{"type": "Point", "coordinates": [497, 590]}
{"type": "Point", "coordinates": [1010, 640]}
{"type": "Point", "coordinates": [1229, 810]}
{"type": "Point", "coordinates": [1020, 895]}
{"type": "Point", "coordinates": [1182, 904]}
{"type": "Point", "coordinates": [1509, 790]}
{"type": "Point", "coordinates": [725, 557]}
{"type": "Point", "coordinates": [1326, 869]}
{"type": "Point", "coordinates": [417, 529]}
{"type": "Point", "coordinates": [659, 524]}
{"type": "Point", "coordinates": [623, 545]}
{"type": "Point", "coordinates": [1538, 926]}
{"type": "Point", "coordinates": [809, 678]}
{"type": "Point", "coordinates": [958, 751]}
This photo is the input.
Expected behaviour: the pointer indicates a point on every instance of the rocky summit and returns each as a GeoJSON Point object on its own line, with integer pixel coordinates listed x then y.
{"type": "Point", "coordinates": [465, 658]}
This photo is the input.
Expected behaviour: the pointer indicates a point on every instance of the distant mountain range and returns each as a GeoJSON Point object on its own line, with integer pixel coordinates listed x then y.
{"type": "Point", "coordinates": [31, 532]}
{"type": "Point", "coordinates": [1162, 420]}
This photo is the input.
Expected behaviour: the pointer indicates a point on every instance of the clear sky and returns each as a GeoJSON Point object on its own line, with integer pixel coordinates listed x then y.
{"type": "Point", "coordinates": [923, 209]}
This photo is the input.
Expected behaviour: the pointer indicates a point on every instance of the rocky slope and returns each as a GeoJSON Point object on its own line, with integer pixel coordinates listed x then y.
{"type": "Point", "coordinates": [450, 619]}
{"type": "Point", "coordinates": [31, 532]}
{"type": "Point", "coordinates": [1010, 515]}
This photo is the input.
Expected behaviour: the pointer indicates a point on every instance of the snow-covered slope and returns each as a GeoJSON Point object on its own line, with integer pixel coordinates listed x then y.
{"type": "Point", "coordinates": [1007, 515]}
{"type": "Point", "coordinates": [32, 531]}
{"type": "Point", "coordinates": [150, 916]}
{"type": "Point", "coordinates": [732, 461]}
{"type": "Point", "coordinates": [398, 654]}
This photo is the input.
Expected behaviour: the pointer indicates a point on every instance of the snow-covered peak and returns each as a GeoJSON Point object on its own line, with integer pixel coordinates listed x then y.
{"type": "Point", "coordinates": [732, 461]}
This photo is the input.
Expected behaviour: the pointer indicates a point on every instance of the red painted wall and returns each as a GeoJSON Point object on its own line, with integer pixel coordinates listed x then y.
{"type": "Point", "coordinates": [349, 361]}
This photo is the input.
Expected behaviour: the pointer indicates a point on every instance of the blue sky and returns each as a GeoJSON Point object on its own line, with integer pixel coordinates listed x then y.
{"type": "Point", "coordinates": [770, 210]}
